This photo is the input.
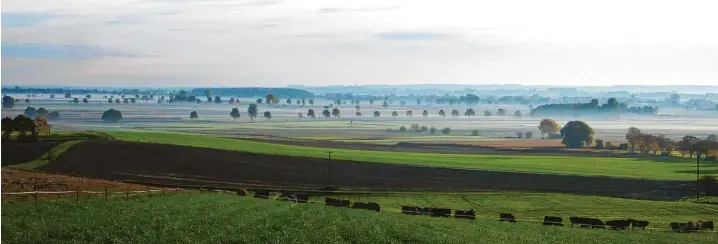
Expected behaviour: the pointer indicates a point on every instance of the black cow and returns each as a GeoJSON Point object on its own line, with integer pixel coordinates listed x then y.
{"type": "Point", "coordinates": [261, 194]}
{"type": "Point", "coordinates": [412, 210]}
{"type": "Point", "coordinates": [336, 202]}
{"type": "Point", "coordinates": [619, 224]}
{"type": "Point", "coordinates": [587, 222]}
{"type": "Point", "coordinates": [465, 214]}
{"type": "Point", "coordinates": [367, 205]}
{"type": "Point", "coordinates": [642, 224]}
{"type": "Point", "coordinates": [507, 217]}
{"type": "Point", "coordinates": [707, 225]}
{"type": "Point", "coordinates": [680, 227]}
{"type": "Point", "coordinates": [242, 192]}
{"type": "Point", "coordinates": [552, 220]}
{"type": "Point", "coordinates": [440, 212]}
{"type": "Point", "coordinates": [424, 210]}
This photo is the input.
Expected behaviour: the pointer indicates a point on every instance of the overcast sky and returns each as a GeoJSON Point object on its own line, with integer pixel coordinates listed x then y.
{"type": "Point", "coordinates": [277, 43]}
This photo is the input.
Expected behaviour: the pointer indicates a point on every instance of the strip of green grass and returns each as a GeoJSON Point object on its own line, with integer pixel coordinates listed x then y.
{"type": "Point", "coordinates": [220, 218]}
{"type": "Point", "coordinates": [669, 169]}
{"type": "Point", "coordinates": [46, 157]}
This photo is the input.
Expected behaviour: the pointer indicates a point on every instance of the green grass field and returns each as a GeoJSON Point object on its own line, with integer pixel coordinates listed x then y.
{"type": "Point", "coordinates": [221, 218]}
{"type": "Point", "coordinates": [668, 169]}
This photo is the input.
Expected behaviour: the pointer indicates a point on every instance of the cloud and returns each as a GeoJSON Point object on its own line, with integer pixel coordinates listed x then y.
{"type": "Point", "coordinates": [24, 19]}
{"type": "Point", "coordinates": [411, 36]}
{"type": "Point", "coordinates": [58, 52]}
{"type": "Point", "coordinates": [339, 10]}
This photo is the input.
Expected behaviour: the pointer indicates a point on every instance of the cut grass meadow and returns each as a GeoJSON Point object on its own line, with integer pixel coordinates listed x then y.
{"type": "Point", "coordinates": [666, 169]}
{"type": "Point", "coordinates": [222, 218]}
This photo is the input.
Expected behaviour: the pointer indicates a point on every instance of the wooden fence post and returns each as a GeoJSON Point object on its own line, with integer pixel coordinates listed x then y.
{"type": "Point", "coordinates": [127, 193]}
{"type": "Point", "coordinates": [77, 193]}
{"type": "Point", "coordinates": [34, 188]}
{"type": "Point", "coordinates": [105, 193]}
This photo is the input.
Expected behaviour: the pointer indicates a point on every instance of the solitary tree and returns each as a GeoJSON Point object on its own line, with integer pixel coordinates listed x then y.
{"type": "Point", "coordinates": [487, 113]}
{"type": "Point", "coordinates": [271, 98]}
{"type": "Point", "coordinates": [357, 107]}
{"type": "Point", "coordinates": [300, 115]}
{"type": "Point", "coordinates": [409, 113]}
{"type": "Point", "coordinates": [111, 115]}
{"type": "Point", "coordinates": [30, 112]}
{"type": "Point", "coordinates": [27, 100]}
{"type": "Point", "coordinates": [517, 113]}
{"type": "Point", "coordinates": [335, 112]}
{"type": "Point", "coordinates": [310, 113]}
{"type": "Point", "coordinates": [470, 112]}
{"type": "Point", "coordinates": [75, 100]}
{"type": "Point", "coordinates": [68, 95]}
{"type": "Point", "coordinates": [442, 113]}
{"type": "Point", "coordinates": [42, 112]}
{"type": "Point", "coordinates": [634, 137]}
{"type": "Point", "coordinates": [52, 96]}
{"type": "Point", "coordinates": [193, 115]}
{"type": "Point", "coordinates": [376, 114]}
{"type": "Point", "coordinates": [231, 100]}
{"type": "Point", "coordinates": [267, 114]}
{"type": "Point", "coordinates": [109, 100]}
{"type": "Point", "coordinates": [455, 113]}
{"type": "Point", "coordinates": [576, 133]}
{"type": "Point", "coordinates": [385, 104]}
{"type": "Point", "coordinates": [425, 113]}
{"type": "Point", "coordinates": [326, 113]}
{"type": "Point", "coordinates": [446, 130]}
{"type": "Point", "coordinates": [85, 101]}
{"type": "Point", "coordinates": [311, 102]}
{"type": "Point", "coordinates": [134, 100]}
{"type": "Point", "coordinates": [117, 100]}
{"type": "Point", "coordinates": [8, 102]}
{"type": "Point", "coordinates": [432, 130]}
{"type": "Point", "coordinates": [53, 115]}
{"type": "Point", "coordinates": [549, 127]}
{"type": "Point", "coordinates": [358, 114]}
{"type": "Point", "coordinates": [688, 144]}
{"type": "Point", "coordinates": [289, 101]}
{"type": "Point", "coordinates": [394, 114]}
{"type": "Point", "coordinates": [252, 111]}
{"type": "Point", "coordinates": [88, 96]}
{"type": "Point", "coordinates": [235, 113]}
{"type": "Point", "coordinates": [217, 99]}
{"type": "Point", "coordinates": [259, 101]}
{"type": "Point", "coordinates": [371, 101]}
{"type": "Point", "coordinates": [501, 112]}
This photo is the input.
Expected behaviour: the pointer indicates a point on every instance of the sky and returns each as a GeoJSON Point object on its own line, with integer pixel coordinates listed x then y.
{"type": "Point", "coordinates": [338, 42]}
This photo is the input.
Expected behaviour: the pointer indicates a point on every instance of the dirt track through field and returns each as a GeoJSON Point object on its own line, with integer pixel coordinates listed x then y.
{"type": "Point", "coordinates": [190, 166]}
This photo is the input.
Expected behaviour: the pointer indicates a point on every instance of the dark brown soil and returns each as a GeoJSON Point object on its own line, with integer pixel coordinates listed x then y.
{"type": "Point", "coordinates": [21, 152]}
{"type": "Point", "coordinates": [199, 167]}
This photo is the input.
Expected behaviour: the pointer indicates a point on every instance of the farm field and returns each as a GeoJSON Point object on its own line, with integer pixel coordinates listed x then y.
{"type": "Point", "coordinates": [222, 218]}
{"type": "Point", "coordinates": [649, 168]}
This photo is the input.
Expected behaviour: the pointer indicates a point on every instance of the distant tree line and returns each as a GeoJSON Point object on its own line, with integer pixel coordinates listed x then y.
{"type": "Point", "coordinates": [254, 92]}
{"type": "Point", "coordinates": [591, 108]}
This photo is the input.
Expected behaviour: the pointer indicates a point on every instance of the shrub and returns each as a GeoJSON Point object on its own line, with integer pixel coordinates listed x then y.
{"type": "Point", "coordinates": [112, 115]}
{"type": "Point", "coordinates": [424, 129]}
{"type": "Point", "coordinates": [474, 132]}
{"type": "Point", "coordinates": [599, 144]}
{"type": "Point", "coordinates": [528, 135]}
{"type": "Point", "coordinates": [432, 130]}
{"type": "Point", "coordinates": [623, 146]}
{"type": "Point", "coordinates": [402, 129]}
{"type": "Point", "coordinates": [446, 130]}
{"type": "Point", "coordinates": [520, 135]}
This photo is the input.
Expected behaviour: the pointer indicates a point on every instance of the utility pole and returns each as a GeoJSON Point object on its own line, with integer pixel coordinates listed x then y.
{"type": "Point", "coordinates": [329, 169]}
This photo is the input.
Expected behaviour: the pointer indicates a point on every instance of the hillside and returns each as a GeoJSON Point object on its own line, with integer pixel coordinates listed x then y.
{"type": "Point", "coordinates": [220, 218]}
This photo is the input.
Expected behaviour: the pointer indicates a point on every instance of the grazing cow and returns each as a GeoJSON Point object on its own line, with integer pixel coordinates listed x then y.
{"type": "Point", "coordinates": [412, 210]}
{"type": "Point", "coordinates": [424, 210]}
{"type": "Point", "coordinates": [642, 224]}
{"type": "Point", "coordinates": [619, 224]}
{"type": "Point", "coordinates": [586, 222]}
{"type": "Point", "coordinates": [261, 194]}
{"type": "Point", "coordinates": [465, 214]}
{"type": "Point", "coordinates": [680, 227]}
{"type": "Point", "coordinates": [336, 202]}
{"type": "Point", "coordinates": [440, 212]}
{"type": "Point", "coordinates": [707, 225]}
{"type": "Point", "coordinates": [507, 217]}
{"type": "Point", "coordinates": [367, 205]}
{"type": "Point", "coordinates": [242, 192]}
{"type": "Point", "coordinates": [552, 220]}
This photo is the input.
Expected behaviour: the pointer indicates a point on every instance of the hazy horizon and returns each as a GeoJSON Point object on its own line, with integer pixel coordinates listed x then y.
{"type": "Point", "coordinates": [274, 43]}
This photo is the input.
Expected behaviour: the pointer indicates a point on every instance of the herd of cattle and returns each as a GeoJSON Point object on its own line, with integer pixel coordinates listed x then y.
{"type": "Point", "coordinates": [582, 222]}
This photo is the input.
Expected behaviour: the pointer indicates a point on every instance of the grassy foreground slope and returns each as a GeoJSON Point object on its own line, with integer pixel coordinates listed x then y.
{"type": "Point", "coordinates": [670, 169]}
{"type": "Point", "coordinates": [220, 218]}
